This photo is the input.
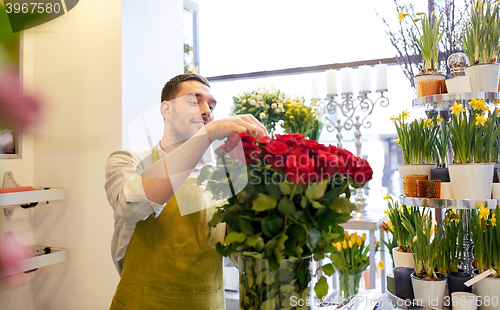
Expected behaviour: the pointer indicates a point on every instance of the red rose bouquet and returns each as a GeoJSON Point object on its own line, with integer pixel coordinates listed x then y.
{"type": "Point", "coordinates": [296, 193]}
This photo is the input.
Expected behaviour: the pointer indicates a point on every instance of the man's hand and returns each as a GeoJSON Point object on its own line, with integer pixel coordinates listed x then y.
{"type": "Point", "coordinates": [247, 123]}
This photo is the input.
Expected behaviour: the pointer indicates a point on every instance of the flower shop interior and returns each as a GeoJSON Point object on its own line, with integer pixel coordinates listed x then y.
{"type": "Point", "coordinates": [392, 92]}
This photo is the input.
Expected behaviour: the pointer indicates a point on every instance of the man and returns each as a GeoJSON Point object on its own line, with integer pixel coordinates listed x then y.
{"type": "Point", "coordinates": [166, 260]}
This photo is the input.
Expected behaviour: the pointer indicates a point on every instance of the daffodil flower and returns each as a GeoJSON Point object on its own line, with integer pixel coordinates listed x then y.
{"type": "Point", "coordinates": [401, 16]}
{"type": "Point", "coordinates": [427, 123]}
{"type": "Point", "coordinates": [480, 120]}
{"type": "Point", "coordinates": [439, 120]}
{"type": "Point", "coordinates": [457, 108]}
{"type": "Point", "coordinates": [381, 265]}
{"type": "Point", "coordinates": [477, 104]}
{"type": "Point", "coordinates": [387, 196]}
{"type": "Point", "coordinates": [483, 212]}
{"type": "Point", "coordinates": [405, 115]}
{"type": "Point", "coordinates": [397, 141]}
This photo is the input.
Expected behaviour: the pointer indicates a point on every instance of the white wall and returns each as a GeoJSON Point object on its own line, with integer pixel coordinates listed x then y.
{"type": "Point", "coordinates": [152, 53]}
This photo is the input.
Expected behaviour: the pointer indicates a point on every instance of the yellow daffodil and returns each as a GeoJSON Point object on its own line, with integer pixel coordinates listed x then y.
{"type": "Point", "coordinates": [493, 221]}
{"type": "Point", "coordinates": [392, 118]}
{"type": "Point", "coordinates": [387, 196]}
{"type": "Point", "coordinates": [386, 212]}
{"type": "Point", "coordinates": [457, 108]}
{"type": "Point", "coordinates": [381, 265]}
{"type": "Point", "coordinates": [477, 104]}
{"type": "Point", "coordinates": [401, 16]}
{"type": "Point", "coordinates": [427, 123]}
{"type": "Point", "coordinates": [439, 120]}
{"type": "Point", "coordinates": [376, 242]}
{"type": "Point", "coordinates": [405, 115]}
{"type": "Point", "coordinates": [480, 120]}
{"type": "Point", "coordinates": [397, 141]}
{"type": "Point", "coordinates": [483, 212]}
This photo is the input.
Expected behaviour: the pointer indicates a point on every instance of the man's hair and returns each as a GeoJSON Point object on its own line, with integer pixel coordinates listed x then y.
{"type": "Point", "coordinates": [170, 89]}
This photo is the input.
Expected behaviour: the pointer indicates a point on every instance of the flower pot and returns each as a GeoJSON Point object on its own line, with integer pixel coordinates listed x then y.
{"type": "Point", "coordinates": [409, 169]}
{"type": "Point", "coordinates": [459, 84]}
{"type": "Point", "coordinates": [483, 77]}
{"type": "Point", "coordinates": [440, 173]}
{"type": "Point", "coordinates": [402, 282]}
{"type": "Point", "coordinates": [391, 287]}
{"type": "Point", "coordinates": [429, 293]}
{"type": "Point", "coordinates": [488, 291]}
{"type": "Point", "coordinates": [402, 259]}
{"type": "Point", "coordinates": [446, 191]}
{"type": "Point", "coordinates": [463, 301]}
{"type": "Point", "coordinates": [456, 282]}
{"type": "Point", "coordinates": [495, 191]}
{"type": "Point", "coordinates": [471, 181]}
{"type": "Point", "coordinates": [349, 283]}
{"type": "Point", "coordinates": [428, 84]}
{"type": "Point", "coordinates": [264, 288]}
{"type": "Point", "coordinates": [410, 184]}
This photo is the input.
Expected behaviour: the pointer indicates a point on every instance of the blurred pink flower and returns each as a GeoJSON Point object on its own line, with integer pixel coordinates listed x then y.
{"type": "Point", "coordinates": [11, 253]}
{"type": "Point", "coordinates": [17, 110]}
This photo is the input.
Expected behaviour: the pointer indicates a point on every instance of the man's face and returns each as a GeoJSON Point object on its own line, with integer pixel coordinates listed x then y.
{"type": "Point", "coordinates": [191, 109]}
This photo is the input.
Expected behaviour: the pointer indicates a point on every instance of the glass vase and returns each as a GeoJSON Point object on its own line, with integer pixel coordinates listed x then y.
{"type": "Point", "coordinates": [287, 287]}
{"type": "Point", "coordinates": [349, 283]}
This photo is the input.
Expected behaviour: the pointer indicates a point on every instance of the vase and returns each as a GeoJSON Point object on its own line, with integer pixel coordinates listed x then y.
{"type": "Point", "coordinates": [456, 282]}
{"type": "Point", "coordinates": [402, 283]}
{"type": "Point", "coordinates": [464, 301]}
{"type": "Point", "coordinates": [428, 84]}
{"type": "Point", "coordinates": [446, 191]}
{"type": "Point", "coordinates": [264, 288]}
{"type": "Point", "coordinates": [471, 181]}
{"type": "Point", "coordinates": [429, 293]}
{"type": "Point", "coordinates": [403, 259]}
{"type": "Point", "coordinates": [483, 77]}
{"type": "Point", "coordinates": [488, 291]}
{"type": "Point", "coordinates": [409, 169]}
{"type": "Point", "coordinates": [349, 283]}
{"type": "Point", "coordinates": [440, 173]}
{"type": "Point", "coordinates": [458, 84]}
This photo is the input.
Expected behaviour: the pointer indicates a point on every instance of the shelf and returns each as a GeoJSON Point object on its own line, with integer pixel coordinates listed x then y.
{"type": "Point", "coordinates": [467, 204]}
{"type": "Point", "coordinates": [443, 101]}
{"type": "Point", "coordinates": [57, 255]}
{"type": "Point", "coordinates": [25, 198]}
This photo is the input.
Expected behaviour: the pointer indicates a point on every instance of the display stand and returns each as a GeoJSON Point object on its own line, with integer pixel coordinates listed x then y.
{"type": "Point", "coordinates": [372, 224]}
{"type": "Point", "coordinates": [43, 255]}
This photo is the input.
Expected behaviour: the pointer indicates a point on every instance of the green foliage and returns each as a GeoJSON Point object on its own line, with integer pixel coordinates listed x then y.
{"type": "Point", "coordinates": [485, 234]}
{"type": "Point", "coordinates": [453, 234]}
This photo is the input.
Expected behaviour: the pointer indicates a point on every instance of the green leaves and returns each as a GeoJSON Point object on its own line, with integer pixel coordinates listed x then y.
{"type": "Point", "coordinates": [235, 237]}
{"type": "Point", "coordinates": [317, 190]}
{"type": "Point", "coordinates": [321, 288]}
{"type": "Point", "coordinates": [264, 202]}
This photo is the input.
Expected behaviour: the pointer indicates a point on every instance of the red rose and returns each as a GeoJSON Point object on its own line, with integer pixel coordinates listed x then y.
{"type": "Point", "coordinates": [362, 173]}
{"type": "Point", "coordinates": [300, 161]}
{"type": "Point", "coordinates": [232, 141]}
{"type": "Point", "coordinates": [300, 177]}
{"type": "Point", "coordinates": [308, 146]}
{"type": "Point", "coordinates": [348, 158]}
{"type": "Point", "coordinates": [246, 138]}
{"type": "Point", "coordinates": [251, 152]}
{"type": "Point", "coordinates": [328, 164]}
{"type": "Point", "coordinates": [276, 153]}
{"type": "Point", "coordinates": [263, 141]}
{"type": "Point", "coordinates": [289, 139]}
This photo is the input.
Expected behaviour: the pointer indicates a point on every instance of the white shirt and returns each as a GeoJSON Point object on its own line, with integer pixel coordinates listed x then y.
{"type": "Point", "coordinates": [126, 195]}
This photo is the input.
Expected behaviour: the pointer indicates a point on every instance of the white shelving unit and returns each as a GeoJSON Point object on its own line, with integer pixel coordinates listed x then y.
{"type": "Point", "coordinates": [8, 200]}
{"type": "Point", "coordinates": [57, 255]}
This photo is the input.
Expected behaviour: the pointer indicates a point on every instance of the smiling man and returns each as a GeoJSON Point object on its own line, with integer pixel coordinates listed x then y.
{"type": "Point", "coordinates": [167, 260]}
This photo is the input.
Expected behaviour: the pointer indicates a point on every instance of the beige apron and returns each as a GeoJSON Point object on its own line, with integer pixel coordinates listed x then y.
{"type": "Point", "coordinates": [170, 264]}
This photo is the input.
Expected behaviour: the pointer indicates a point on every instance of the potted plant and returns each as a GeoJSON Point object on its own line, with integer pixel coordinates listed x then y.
{"type": "Point", "coordinates": [418, 142]}
{"type": "Point", "coordinates": [486, 237]}
{"type": "Point", "coordinates": [473, 136]}
{"type": "Point", "coordinates": [429, 286]}
{"type": "Point", "coordinates": [401, 254]}
{"type": "Point", "coordinates": [480, 41]}
{"type": "Point", "coordinates": [303, 118]}
{"type": "Point", "coordinates": [441, 171]}
{"type": "Point", "coordinates": [448, 259]}
{"type": "Point", "coordinates": [350, 258]}
{"type": "Point", "coordinates": [428, 36]}
{"type": "Point", "coordinates": [286, 214]}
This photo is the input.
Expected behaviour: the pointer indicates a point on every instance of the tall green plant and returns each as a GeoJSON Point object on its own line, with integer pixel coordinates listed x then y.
{"type": "Point", "coordinates": [442, 143]}
{"type": "Point", "coordinates": [486, 237]}
{"type": "Point", "coordinates": [426, 243]}
{"type": "Point", "coordinates": [427, 39]}
{"type": "Point", "coordinates": [452, 235]}
{"type": "Point", "coordinates": [481, 38]}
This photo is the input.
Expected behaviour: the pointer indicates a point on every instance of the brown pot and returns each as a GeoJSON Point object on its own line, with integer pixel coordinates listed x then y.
{"type": "Point", "coordinates": [428, 87]}
{"type": "Point", "coordinates": [442, 88]}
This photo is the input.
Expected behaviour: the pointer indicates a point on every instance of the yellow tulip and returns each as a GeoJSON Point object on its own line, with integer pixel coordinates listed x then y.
{"type": "Point", "coordinates": [339, 246]}
{"type": "Point", "coordinates": [363, 237]}
{"type": "Point", "coordinates": [350, 244]}
{"type": "Point", "coordinates": [344, 245]}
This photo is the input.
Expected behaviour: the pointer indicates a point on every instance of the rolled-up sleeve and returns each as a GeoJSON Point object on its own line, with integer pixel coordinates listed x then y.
{"type": "Point", "coordinates": [124, 187]}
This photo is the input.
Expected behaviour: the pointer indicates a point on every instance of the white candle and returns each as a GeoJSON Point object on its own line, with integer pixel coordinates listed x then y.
{"type": "Point", "coordinates": [364, 78]}
{"type": "Point", "coordinates": [315, 88]}
{"type": "Point", "coordinates": [381, 70]}
{"type": "Point", "coordinates": [331, 82]}
{"type": "Point", "coordinates": [346, 80]}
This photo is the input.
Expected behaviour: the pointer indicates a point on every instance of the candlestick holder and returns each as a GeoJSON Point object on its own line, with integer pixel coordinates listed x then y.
{"type": "Point", "coordinates": [355, 115]}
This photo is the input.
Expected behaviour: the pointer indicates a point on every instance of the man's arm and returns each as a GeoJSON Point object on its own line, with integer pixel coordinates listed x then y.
{"type": "Point", "coordinates": [162, 179]}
